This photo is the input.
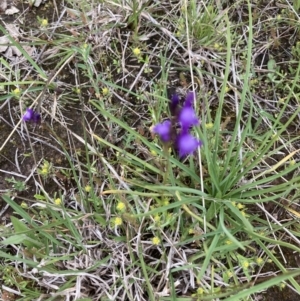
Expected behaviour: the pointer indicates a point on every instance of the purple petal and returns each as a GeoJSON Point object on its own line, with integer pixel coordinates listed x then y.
{"type": "Point", "coordinates": [189, 100]}
{"type": "Point", "coordinates": [163, 130]}
{"type": "Point", "coordinates": [174, 104]}
{"type": "Point", "coordinates": [36, 118]}
{"type": "Point", "coordinates": [187, 144]}
{"type": "Point", "coordinates": [187, 117]}
{"type": "Point", "coordinates": [28, 115]}
{"type": "Point", "coordinates": [31, 116]}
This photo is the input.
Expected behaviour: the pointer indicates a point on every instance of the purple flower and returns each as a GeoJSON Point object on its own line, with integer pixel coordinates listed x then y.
{"type": "Point", "coordinates": [189, 100]}
{"type": "Point", "coordinates": [163, 130]}
{"type": "Point", "coordinates": [31, 116]}
{"type": "Point", "coordinates": [187, 144]}
{"type": "Point", "coordinates": [187, 118]}
{"type": "Point", "coordinates": [174, 104]}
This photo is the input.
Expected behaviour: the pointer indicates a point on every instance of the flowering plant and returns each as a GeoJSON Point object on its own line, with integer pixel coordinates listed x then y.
{"type": "Point", "coordinates": [31, 116]}
{"type": "Point", "coordinates": [186, 117]}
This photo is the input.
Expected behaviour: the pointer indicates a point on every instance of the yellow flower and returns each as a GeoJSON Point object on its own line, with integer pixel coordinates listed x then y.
{"type": "Point", "coordinates": [44, 171]}
{"type": "Point", "coordinates": [16, 92]}
{"type": "Point", "coordinates": [45, 168]}
{"type": "Point", "coordinates": [118, 221]}
{"type": "Point", "coordinates": [228, 242]}
{"type": "Point", "coordinates": [282, 285]}
{"type": "Point", "coordinates": [245, 264]}
{"type": "Point", "coordinates": [217, 46]}
{"type": "Point", "coordinates": [209, 126]}
{"type": "Point", "coordinates": [244, 213]}
{"type": "Point", "coordinates": [240, 206]}
{"type": "Point", "coordinates": [155, 240]}
{"type": "Point", "coordinates": [156, 218]}
{"type": "Point", "coordinates": [136, 51]}
{"type": "Point", "coordinates": [44, 22]}
{"type": "Point", "coordinates": [165, 202]}
{"type": "Point", "coordinates": [57, 201]}
{"type": "Point", "coordinates": [227, 89]}
{"type": "Point", "coordinates": [121, 206]}
{"type": "Point", "coordinates": [259, 260]}
{"type": "Point", "coordinates": [24, 205]}
{"type": "Point", "coordinates": [200, 291]}
{"type": "Point", "coordinates": [191, 231]}
{"type": "Point", "coordinates": [292, 162]}
{"type": "Point", "coordinates": [87, 188]}
{"type": "Point", "coordinates": [105, 91]}
{"type": "Point", "coordinates": [153, 152]}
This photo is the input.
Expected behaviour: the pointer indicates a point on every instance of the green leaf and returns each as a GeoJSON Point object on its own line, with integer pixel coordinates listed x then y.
{"type": "Point", "coordinates": [39, 197]}
{"type": "Point", "coordinates": [27, 239]}
{"type": "Point", "coordinates": [21, 238]}
{"type": "Point", "coordinates": [18, 225]}
{"type": "Point", "coordinates": [271, 65]}
{"type": "Point", "coordinates": [296, 4]}
{"type": "Point", "coordinates": [262, 286]}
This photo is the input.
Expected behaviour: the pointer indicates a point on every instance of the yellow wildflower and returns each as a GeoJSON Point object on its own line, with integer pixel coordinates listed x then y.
{"type": "Point", "coordinates": [105, 91]}
{"type": "Point", "coordinates": [87, 188]}
{"type": "Point", "coordinates": [282, 285]}
{"type": "Point", "coordinates": [57, 201]}
{"type": "Point", "coordinates": [16, 92]}
{"type": "Point", "coordinates": [121, 206]}
{"type": "Point", "coordinates": [259, 260]}
{"type": "Point", "coordinates": [227, 89]}
{"type": "Point", "coordinates": [191, 231]}
{"type": "Point", "coordinates": [156, 218]}
{"type": "Point", "coordinates": [153, 152]}
{"type": "Point", "coordinates": [44, 171]}
{"type": "Point", "coordinates": [156, 240]}
{"type": "Point", "coordinates": [209, 126]}
{"type": "Point", "coordinates": [240, 206]}
{"type": "Point", "coordinates": [118, 221]}
{"type": "Point", "coordinates": [44, 22]}
{"type": "Point", "coordinates": [136, 51]}
{"type": "Point", "coordinates": [165, 202]}
{"type": "Point", "coordinates": [24, 205]}
{"type": "Point", "coordinates": [245, 264]}
{"type": "Point", "coordinates": [244, 213]}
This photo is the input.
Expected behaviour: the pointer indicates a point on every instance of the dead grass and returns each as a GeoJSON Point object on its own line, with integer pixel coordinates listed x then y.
{"type": "Point", "coordinates": [180, 234]}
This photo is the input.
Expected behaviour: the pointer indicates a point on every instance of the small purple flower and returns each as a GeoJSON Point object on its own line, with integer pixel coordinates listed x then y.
{"type": "Point", "coordinates": [174, 104]}
{"type": "Point", "coordinates": [189, 100]}
{"type": "Point", "coordinates": [31, 116]}
{"type": "Point", "coordinates": [163, 130]}
{"type": "Point", "coordinates": [187, 144]}
{"type": "Point", "coordinates": [187, 118]}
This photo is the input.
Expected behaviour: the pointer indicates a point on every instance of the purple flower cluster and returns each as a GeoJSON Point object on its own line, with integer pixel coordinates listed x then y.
{"type": "Point", "coordinates": [183, 141]}
{"type": "Point", "coordinates": [31, 116]}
